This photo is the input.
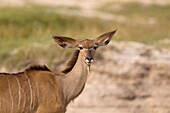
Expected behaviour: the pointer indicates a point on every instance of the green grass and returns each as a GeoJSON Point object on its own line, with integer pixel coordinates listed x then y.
{"type": "Point", "coordinates": [39, 22]}
{"type": "Point", "coordinates": [23, 27]}
{"type": "Point", "coordinates": [147, 24]}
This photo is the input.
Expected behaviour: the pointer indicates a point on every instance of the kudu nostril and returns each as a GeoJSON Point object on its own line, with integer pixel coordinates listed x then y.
{"type": "Point", "coordinates": [89, 59]}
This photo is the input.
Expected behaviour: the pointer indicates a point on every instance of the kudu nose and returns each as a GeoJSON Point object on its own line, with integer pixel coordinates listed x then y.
{"type": "Point", "coordinates": [89, 59]}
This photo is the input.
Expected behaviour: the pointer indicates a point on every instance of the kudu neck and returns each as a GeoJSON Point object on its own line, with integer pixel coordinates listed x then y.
{"type": "Point", "coordinates": [75, 79]}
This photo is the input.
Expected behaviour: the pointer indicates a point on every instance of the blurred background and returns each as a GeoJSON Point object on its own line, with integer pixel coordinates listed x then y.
{"type": "Point", "coordinates": [131, 74]}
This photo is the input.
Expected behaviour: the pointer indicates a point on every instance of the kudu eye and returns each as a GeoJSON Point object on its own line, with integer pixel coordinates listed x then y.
{"type": "Point", "coordinates": [80, 47]}
{"type": "Point", "coordinates": [95, 47]}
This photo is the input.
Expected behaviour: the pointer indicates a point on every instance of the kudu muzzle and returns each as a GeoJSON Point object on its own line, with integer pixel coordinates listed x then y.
{"type": "Point", "coordinates": [89, 58]}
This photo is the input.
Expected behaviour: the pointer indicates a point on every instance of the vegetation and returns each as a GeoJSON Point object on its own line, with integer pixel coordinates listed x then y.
{"type": "Point", "coordinates": [25, 31]}
{"type": "Point", "coordinates": [143, 23]}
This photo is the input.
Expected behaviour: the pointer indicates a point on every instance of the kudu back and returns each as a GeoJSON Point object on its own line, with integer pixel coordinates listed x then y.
{"type": "Point", "coordinates": [39, 90]}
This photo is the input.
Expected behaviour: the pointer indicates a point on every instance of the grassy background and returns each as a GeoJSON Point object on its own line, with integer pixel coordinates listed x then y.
{"type": "Point", "coordinates": [25, 31]}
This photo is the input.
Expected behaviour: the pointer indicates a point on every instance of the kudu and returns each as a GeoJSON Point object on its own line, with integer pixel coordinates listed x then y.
{"type": "Point", "coordinates": [39, 90]}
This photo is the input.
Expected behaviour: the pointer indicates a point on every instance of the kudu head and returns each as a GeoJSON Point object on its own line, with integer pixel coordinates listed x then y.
{"type": "Point", "coordinates": [86, 47]}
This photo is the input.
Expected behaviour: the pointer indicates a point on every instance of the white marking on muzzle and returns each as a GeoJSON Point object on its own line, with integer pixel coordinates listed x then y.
{"type": "Point", "coordinates": [89, 61]}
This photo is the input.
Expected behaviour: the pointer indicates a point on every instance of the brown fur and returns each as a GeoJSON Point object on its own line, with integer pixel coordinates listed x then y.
{"type": "Point", "coordinates": [49, 91]}
{"type": "Point", "coordinates": [38, 67]}
{"type": "Point", "coordinates": [70, 64]}
{"type": "Point", "coordinates": [30, 68]}
{"type": "Point", "coordinates": [34, 85]}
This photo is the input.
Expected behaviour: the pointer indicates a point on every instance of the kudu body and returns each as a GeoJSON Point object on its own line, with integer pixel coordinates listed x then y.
{"type": "Point", "coordinates": [39, 90]}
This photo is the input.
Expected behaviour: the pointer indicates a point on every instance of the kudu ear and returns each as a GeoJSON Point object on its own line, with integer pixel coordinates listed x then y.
{"type": "Point", "coordinates": [65, 42]}
{"type": "Point", "coordinates": [105, 38]}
